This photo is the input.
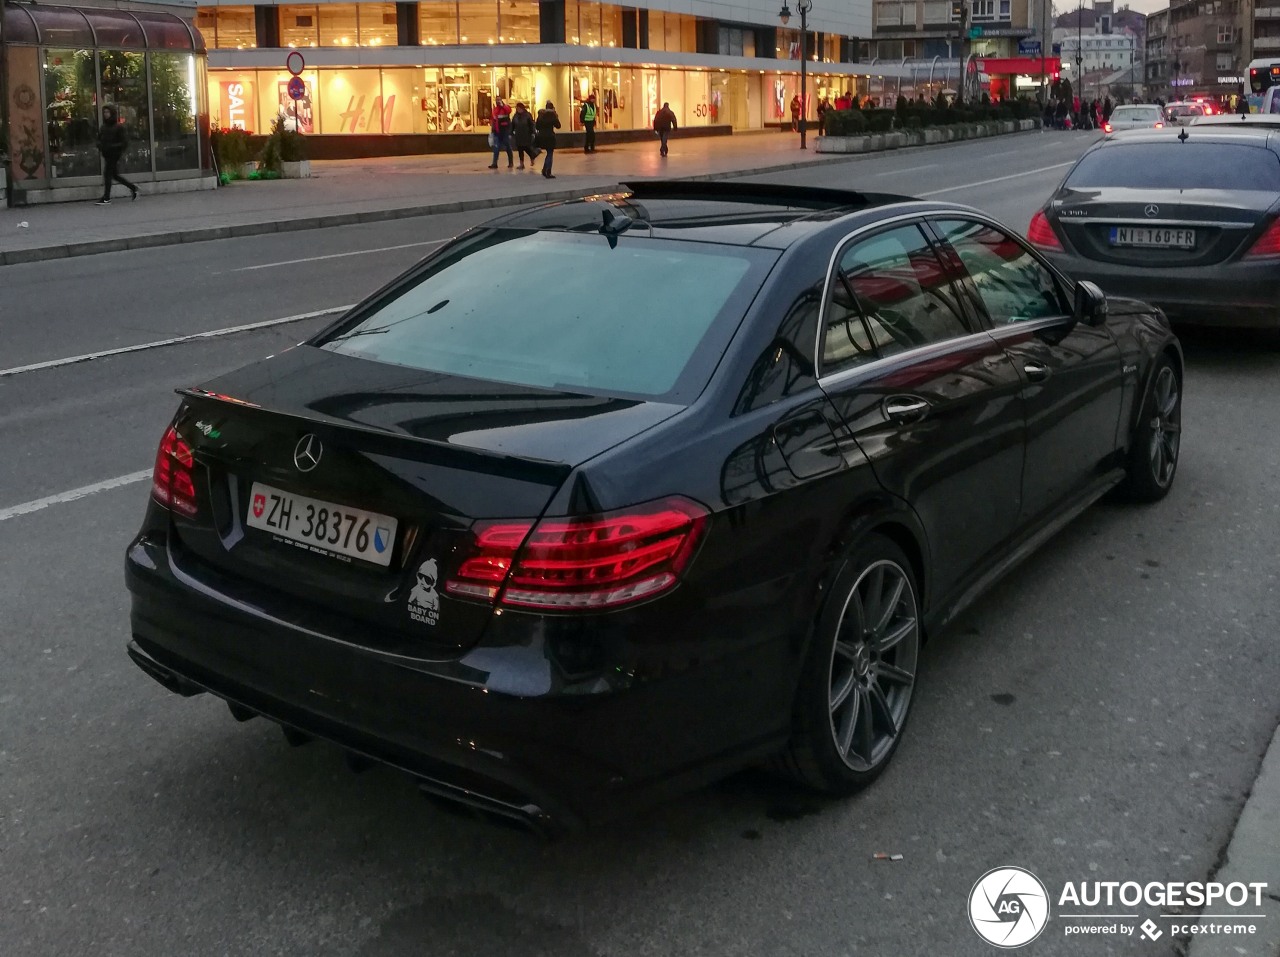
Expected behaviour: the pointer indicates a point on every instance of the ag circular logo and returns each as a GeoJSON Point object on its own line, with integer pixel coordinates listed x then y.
{"type": "Point", "coordinates": [1008, 907]}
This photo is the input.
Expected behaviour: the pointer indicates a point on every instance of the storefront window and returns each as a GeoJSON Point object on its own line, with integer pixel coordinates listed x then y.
{"type": "Point", "coordinates": [698, 101]}
{"type": "Point", "coordinates": [378, 25]}
{"type": "Point", "coordinates": [234, 28]}
{"type": "Point", "coordinates": [299, 26]}
{"type": "Point", "coordinates": [233, 98]}
{"type": "Point", "coordinates": [71, 99]}
{"type": "Point", "coordinates": [402, 91]}
{"type": "Point", "coordinates": [338, 25]}
{"type": "Point", "coordinates": [477, 21]}
{"type": "Point", "coordinates": [64, 28]}
{"type": "Point", "coordinates": [351, 101]}
{"type": "Point", "coordinates": [437, 22]}
{"type": "Point", "coordinates": [124, 85]}
{"type": "Point", "coordinates": [173, 100]}
{"type": "Point", "coordinates": [519, 22]}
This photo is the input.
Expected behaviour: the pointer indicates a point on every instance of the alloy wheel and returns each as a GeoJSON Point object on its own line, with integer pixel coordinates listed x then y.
{"type": "Point", "coordinates": [873, 665]}
{"type": "Point", "coordinates": [1165, 426]}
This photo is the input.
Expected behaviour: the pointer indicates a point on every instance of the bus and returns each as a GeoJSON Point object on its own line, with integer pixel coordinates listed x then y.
{"type": "Point", "coordinates": [1263, 75]}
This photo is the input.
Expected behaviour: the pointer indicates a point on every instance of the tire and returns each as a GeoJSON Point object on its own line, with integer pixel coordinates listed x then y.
{"type": "Point", "coordinates": [863, 657]}
{"type": "Point", "coordinates": [1157, 437]}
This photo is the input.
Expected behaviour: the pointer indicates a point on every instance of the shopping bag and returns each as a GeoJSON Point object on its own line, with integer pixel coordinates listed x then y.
{"type": "Point", "coordinates": [492, 140]}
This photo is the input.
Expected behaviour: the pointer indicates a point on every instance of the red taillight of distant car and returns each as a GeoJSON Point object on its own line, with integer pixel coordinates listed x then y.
{"type": "Point", "coordinates": [1041, 234]}
{"type": "Point", "coordinates": [173, 479]}
{"type": "Point", "coordinates": [1268, 244]}
{"type": "Point", "coordinates": [581, 564]}
{"type": "Point", "coordinates": [1159, 126]}
{"type": "Point", "coordinates": [1106, 127]}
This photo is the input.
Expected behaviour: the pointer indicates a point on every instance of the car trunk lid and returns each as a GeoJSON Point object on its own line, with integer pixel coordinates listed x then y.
{"type": "Point", "coordinates": [418, 456]}
{"type": "Point", "coordinates": [1158, 228]}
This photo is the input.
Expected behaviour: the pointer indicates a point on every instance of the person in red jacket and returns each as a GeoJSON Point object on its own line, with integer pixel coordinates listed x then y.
{"type": "Point", "coordinates": [500, 127]}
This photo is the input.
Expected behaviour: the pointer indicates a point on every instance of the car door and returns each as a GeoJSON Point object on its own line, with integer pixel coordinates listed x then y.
{"type": "Point", "coordinates": [1071, 371]}
{"type": "Point", "coordinates": [930, 399]}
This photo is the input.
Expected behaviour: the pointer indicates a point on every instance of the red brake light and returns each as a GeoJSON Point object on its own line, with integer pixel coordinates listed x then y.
{"type": "Point", "coordinates": [1106, 127]}
{"type": "Point", "coordinates": [1159, 126]}
{"type": "Point", "coordinates": [1041, 234]}
{"type": "Point", "coordinates": [1268, 244]}
{"type": "Point", "coordinates": [569, 564]}
{"type": "Point", "coordinates": [173, 480]}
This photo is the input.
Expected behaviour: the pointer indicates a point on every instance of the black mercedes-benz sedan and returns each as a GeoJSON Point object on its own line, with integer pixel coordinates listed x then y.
{"type": "Point", "coordinates": [1188, 220]}
{"type": "Point", "coordinates": [607, 498]}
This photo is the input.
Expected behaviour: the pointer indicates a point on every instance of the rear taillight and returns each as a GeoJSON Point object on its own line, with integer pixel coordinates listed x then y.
{"type": "Point", "coordinates": [1159, 126]}
{"type": "Point", "coordinates": [1041, 234]}
{"type": "Point", "coordinates": [1268, 244]}
{"type": "Point", "coordinates": [173, 481]}
{"type": "Point", "coordinates": [571, 564]}
{"type": "Point", "coordinates": [1106, 127]}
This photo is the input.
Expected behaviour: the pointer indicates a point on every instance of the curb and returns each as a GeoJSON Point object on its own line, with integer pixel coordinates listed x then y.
{"type": "Point", "coordinates": [1253, 855]}
{"type": "Point", "coordinates": [209, 233]}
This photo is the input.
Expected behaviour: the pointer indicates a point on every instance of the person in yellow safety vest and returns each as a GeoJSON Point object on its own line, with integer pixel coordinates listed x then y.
{"type": "Point", "coordinates": [588, 116]}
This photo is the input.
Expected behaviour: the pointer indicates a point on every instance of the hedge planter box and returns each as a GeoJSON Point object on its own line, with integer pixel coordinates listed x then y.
{"type": "Point", "coordinates": [299, 170]}
{"type": "Point", "coordinates": [877, 142]}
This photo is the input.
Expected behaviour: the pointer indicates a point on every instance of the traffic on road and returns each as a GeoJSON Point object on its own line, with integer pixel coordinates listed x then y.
{"type": "Point", "coordinates": [829, 559]}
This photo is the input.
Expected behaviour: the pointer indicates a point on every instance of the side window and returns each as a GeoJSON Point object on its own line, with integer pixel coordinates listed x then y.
{"type": "Point", "coordinates": [1012, 284]}
{"type": "Point", "coordinates": [889, 293]}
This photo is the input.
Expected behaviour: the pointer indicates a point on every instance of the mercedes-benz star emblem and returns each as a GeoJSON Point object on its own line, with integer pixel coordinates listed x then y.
{"type": "Point", "coordinates": [1152, 209]}
{"type": "Point", "coordinates": [306, 454]}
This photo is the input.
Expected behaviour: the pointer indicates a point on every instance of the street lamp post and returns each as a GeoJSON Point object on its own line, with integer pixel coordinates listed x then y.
{"type": "Point", "coordinates": [804, 6]}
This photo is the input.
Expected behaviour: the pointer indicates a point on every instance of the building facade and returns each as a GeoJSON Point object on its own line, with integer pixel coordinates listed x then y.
{"type": "Point", "coordinates": [1265, 30]}
{"type": "Point", "coordinates": [1007, 39]}
{"type": "Point", "coordinates": [60, 65]}
{"type": "Point", "coordinates": [422, 75]}
{"type": "Point", "coordinates": [1206, 50]}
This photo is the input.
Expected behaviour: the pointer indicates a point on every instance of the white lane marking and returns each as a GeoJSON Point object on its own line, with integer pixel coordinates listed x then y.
{"type": "Point", "coordinates": [998, 179]}
{"type": "Point", "coordinates": [909, 169]}
{"type": "Point", "coordinates": [26, 508]}
{"type": "Point", "coordinates": [354, 252]}
{"type": "Point", "coordinates": [211, 334]}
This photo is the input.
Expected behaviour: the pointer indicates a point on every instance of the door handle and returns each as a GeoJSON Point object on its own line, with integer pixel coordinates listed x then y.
{"type": "Point", "coordinates": [1036, 371]}
{"type": "Point", "coordinates": [904, 408]}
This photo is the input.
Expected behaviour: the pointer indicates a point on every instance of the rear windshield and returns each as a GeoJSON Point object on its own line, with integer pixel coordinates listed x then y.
{"type": "Point", "coordinates": [1137, 112]}
{"type": "Point", "coordinates": [1178, 165]}
{"type": "Point", "coordinates": [649, 318]}
{"type": "Point", "coordinates": [1185, 109]}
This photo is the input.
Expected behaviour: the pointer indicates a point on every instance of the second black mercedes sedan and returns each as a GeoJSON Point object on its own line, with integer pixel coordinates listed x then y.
{"type": "Point", "coordinates": [608, 498]}
{"type": "Point", "coordinates": [1188, 220]}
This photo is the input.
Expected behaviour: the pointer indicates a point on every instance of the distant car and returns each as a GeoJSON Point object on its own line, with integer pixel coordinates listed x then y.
{"type": "Point", "coordinates": [1134, 117]}
{"type": "Point", "coordinates": [1188, 220]}
{"type": "Point", "coordinates": [610, 497]}
{"type": "Point", "coordinates": [1178, 113]}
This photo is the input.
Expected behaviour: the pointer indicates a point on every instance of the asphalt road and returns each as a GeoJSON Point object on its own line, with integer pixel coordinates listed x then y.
{"type": "Point", "coordinates": [1099, 716]}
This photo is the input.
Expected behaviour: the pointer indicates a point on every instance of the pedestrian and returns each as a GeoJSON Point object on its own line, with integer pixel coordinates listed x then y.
{"type": "Point", "coordinates": [1107, 109]}
{"type": "Point", "coordinates": [844, 101]}
{"type": "Point", "coordinates": [523, 132]}
{"type": "Point", "coordinates": [795, 113]}
{"type": "Point", "coordinates": [547, 123]}
{"type": "Point", "coordinates": [500, 129]}
{"type": "Point", "coordinates": [664, 121]}
{"type": "Point", "coordinates": [113, 140]}
{"type": "Point", "coordinates": [587, 116]}
{"type": "Point", "coordinates": [823, 106]}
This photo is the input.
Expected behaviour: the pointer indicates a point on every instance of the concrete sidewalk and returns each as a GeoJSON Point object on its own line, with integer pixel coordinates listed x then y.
{"type": "Point", "coordinates": [343, 192]}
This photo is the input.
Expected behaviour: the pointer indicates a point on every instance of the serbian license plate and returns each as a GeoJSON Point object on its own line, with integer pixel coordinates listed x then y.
{"type": "Point", "coordinates": [322, 526]}
{"type": "Point", "coordinates": [1156, 237]}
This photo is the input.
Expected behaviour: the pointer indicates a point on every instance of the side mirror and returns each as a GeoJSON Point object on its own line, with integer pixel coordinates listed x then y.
{"type": "Point", "coordinates": [1090, 304]}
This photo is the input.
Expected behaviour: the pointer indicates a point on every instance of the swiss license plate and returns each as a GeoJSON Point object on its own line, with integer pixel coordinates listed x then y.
{"type": "Point", "coordinates": [322, 526]}
{"type": "Point", "coordinates": [1157, 237]}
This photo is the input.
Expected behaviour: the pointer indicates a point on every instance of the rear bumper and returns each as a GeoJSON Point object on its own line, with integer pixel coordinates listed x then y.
{"type": "Point", "coordinates": [551, 756]}
{"type": "Point", "coordinates": [1232, 294]}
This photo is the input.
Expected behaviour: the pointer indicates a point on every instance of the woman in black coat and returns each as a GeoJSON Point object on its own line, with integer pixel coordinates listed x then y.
{"type": "Point", "coordinates": [522, 133]}
{"type": "Point", "coordinates": [547, 123]}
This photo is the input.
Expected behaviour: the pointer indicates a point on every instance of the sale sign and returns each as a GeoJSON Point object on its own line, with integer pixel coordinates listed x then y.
{"type": "Point", "coordinates": [239, 107]}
